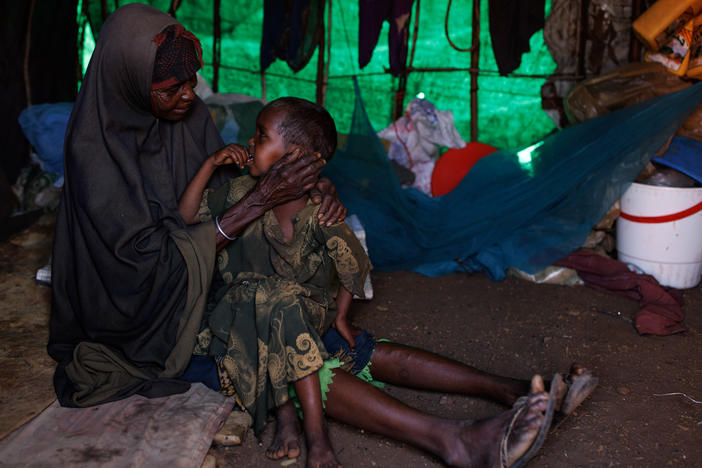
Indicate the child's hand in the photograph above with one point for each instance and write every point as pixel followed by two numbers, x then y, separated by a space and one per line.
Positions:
pixel 346 330
pixel 231 154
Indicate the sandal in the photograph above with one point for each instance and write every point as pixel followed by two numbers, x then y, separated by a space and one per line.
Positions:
pixel 574 389
pixel 538 441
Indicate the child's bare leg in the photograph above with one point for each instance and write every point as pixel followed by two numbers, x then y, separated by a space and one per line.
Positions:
pixel 319 449
pixel 415 368
pixel 286 441
pixel 458 443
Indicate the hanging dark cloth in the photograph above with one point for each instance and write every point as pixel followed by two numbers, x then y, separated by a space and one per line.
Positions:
pixel 372 14
pixel 130 278
pixel 291 31
pixel 512 23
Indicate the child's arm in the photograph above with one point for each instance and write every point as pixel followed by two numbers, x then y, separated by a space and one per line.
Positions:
pixel 352 267
pixel 189 203
pixel 343 301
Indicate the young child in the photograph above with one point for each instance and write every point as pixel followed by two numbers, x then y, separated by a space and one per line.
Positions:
pixel 286 279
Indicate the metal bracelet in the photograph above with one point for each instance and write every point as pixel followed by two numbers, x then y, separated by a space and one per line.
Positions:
pixel 222 232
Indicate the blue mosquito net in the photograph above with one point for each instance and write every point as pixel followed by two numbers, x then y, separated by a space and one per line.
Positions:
pixel 527 207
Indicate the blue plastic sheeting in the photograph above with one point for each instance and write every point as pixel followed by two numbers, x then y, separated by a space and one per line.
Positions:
pixel 685 155
pixel 526 208
pixel 44 125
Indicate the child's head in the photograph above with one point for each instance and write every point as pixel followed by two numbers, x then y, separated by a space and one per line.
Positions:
pixel 290 123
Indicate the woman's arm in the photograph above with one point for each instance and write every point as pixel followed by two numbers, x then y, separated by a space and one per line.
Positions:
pixel 288 179
pixel 343 301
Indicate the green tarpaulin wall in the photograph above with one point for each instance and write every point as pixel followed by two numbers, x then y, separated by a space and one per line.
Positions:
pixel 509 108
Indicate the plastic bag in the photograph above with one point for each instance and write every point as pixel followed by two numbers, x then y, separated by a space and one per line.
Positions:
pixel 416 137
pixel 44 125
pixel 623 87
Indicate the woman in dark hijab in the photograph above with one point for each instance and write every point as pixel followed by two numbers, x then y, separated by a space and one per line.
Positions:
pixel 130 278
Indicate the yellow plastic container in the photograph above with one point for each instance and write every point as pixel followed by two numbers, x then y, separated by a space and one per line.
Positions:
pixel 657 25
pixel 675 55
pixel 694 66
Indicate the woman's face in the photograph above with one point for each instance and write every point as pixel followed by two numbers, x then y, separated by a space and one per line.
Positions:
pixel 174 102
pixel 267 145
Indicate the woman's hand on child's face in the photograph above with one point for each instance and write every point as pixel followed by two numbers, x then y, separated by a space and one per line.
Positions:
pixel 290 177
pixel 231 154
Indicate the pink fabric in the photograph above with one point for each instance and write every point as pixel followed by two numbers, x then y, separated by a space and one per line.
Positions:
pixel 660 310
pixel 173 431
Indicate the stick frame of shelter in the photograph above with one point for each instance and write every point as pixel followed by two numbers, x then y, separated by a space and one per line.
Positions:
pixel 27 49
pixel 474 64
pixel 474 69
pixel 216 43
pixel 582 37
pixel 634 43
pixel 320 83
pixel 399 100
pixel 175 4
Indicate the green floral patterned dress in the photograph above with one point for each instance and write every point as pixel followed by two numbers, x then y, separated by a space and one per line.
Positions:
pixel 277 299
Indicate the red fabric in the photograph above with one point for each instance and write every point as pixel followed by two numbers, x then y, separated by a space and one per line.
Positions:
pixel 454 164
pixel 660 310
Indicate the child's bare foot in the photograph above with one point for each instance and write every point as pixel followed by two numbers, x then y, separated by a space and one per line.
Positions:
pixel 286 441
pixel 504 439
pixel 319 452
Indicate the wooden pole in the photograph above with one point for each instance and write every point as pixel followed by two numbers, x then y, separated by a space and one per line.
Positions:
pixel 474 64
pixel 582 36
pixel 319 95
pixel 634 44
pixel 216 45
pixel 399 107
pixel 27 49
pixel 175 4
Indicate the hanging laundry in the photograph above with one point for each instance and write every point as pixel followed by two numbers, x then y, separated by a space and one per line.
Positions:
pixel 372 14
pixel 512 23
pixel 291 31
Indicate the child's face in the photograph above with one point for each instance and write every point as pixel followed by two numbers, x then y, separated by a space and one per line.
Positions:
pixel 267 145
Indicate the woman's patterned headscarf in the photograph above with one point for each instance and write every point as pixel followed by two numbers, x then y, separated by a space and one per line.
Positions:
pixel 178 56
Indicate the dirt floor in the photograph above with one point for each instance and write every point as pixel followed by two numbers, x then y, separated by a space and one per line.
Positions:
pixel 513 327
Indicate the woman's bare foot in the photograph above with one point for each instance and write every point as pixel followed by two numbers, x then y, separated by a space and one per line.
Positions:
pixel 482 444
pixel 286 441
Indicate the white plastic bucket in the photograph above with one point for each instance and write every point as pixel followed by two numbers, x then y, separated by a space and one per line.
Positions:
pixel 660 231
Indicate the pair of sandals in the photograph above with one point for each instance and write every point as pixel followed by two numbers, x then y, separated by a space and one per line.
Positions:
pixel 566 393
